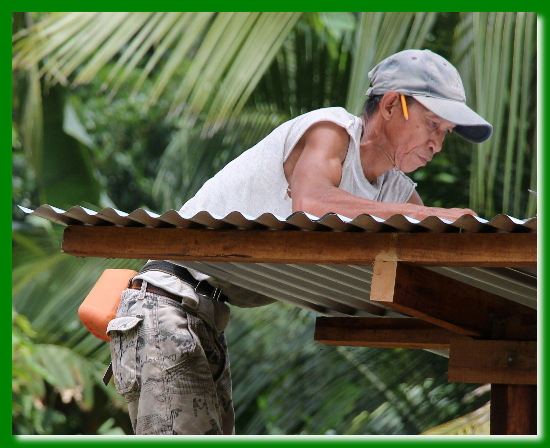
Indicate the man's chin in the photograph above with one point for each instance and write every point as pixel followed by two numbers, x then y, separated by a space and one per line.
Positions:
pixel 408 169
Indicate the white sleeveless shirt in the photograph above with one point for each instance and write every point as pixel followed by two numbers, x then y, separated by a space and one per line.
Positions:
pixel 255 183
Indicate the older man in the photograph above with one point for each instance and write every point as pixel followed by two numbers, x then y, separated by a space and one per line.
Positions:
pixel 168 347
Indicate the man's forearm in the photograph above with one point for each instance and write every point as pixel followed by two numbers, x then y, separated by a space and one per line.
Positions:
pixel 336 200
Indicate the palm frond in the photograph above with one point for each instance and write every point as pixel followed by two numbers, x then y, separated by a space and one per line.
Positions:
pixel 229 49
pixel 496 56
pixel 27 107
pixel 312 69
pixel 263 41
pixel 72 375
pixel 379 35
pixel 474 423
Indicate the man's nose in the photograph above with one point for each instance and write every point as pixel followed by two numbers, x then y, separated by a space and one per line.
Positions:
pixel 436 148
pixel 436 143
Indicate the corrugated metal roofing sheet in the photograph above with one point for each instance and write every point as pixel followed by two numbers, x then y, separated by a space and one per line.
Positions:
pixel 297 221
pixel 327 290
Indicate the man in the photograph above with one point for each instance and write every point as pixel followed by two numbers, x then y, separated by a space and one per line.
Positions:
pixel 168 347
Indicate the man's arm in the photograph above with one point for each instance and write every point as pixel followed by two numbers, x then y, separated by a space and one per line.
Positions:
pixel 317 173
pixel 415 199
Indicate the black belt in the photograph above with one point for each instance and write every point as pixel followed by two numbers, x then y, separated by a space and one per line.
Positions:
pixel 136 284
pixel 200 286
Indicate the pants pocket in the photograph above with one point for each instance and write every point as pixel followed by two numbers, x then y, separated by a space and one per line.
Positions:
pixel 123 332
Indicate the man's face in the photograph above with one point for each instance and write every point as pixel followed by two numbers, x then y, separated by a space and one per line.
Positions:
pixel 417 139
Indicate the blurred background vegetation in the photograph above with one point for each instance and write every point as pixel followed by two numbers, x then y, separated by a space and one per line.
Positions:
pixel 135 110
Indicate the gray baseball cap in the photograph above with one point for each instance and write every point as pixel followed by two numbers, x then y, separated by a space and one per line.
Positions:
pixel 434 83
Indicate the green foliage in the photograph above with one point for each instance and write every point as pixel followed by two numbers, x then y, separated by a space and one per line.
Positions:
pixel 286 383
pixel 47 378
pixel 128 142
pixel 64 361
pixel 65 172
pixel 496 55
pixel 312 69
pixel 48 133
pixel 24 191
pixel 28 386
pixel 445 181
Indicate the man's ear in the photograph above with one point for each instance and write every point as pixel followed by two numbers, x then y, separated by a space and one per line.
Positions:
pixel 389 104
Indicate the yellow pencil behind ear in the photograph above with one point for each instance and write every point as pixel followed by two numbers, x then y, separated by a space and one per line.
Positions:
pixel 404 105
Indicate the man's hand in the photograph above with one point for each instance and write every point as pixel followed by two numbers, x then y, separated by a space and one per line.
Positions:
pixel 451 214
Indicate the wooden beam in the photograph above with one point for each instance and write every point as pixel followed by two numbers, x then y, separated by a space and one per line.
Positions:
pixel 381 332
pixel 302 247
pixel 488 361
pixel 439 299
pixel 513 409
pixel 519 327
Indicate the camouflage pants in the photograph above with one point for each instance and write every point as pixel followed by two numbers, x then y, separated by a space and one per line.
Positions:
pixel 171 367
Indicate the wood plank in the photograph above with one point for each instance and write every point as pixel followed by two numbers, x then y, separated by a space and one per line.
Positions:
pixel 439 299
pixel 302 247
pixel 381 332
pixel 513 409
pixel 488 361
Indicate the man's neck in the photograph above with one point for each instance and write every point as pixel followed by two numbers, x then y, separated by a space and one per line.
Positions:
pixel 376 158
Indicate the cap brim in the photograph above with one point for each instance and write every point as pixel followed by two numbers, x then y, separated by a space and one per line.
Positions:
pixel 469 125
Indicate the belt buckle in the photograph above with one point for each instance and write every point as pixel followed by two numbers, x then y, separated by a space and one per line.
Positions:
pixel 214 295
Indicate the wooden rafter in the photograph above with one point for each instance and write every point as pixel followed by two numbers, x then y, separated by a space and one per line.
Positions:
pixel 438 299
pixel 381 332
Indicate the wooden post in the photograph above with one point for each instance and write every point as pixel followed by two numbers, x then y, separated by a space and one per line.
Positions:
pixel 513 409
pixel 514 406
